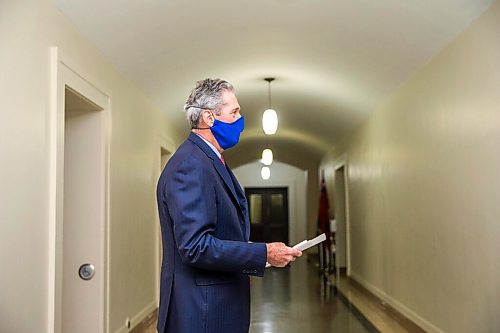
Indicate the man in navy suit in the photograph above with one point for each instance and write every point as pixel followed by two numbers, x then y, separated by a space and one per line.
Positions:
pixel 207 258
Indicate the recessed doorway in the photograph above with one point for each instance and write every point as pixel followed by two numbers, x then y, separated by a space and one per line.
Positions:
pixel 342 235
pixel 78 196
pixel 83 211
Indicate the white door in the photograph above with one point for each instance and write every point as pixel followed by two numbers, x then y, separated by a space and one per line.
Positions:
pixel 83 216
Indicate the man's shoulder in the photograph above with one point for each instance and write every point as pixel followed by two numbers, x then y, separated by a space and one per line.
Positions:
pixel 191 148
pixel 188 152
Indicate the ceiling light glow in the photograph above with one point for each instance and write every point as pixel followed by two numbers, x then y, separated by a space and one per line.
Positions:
pixel 267 156
pixel 270 122
pixel 265 173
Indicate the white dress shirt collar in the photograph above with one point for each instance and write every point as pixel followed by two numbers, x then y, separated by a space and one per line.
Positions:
pixel 211 146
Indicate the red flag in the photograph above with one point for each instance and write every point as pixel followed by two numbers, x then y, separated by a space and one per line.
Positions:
pixel 323 216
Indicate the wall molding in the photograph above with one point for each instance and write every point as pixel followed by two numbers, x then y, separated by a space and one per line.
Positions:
pixel 396 305
pixel 138 318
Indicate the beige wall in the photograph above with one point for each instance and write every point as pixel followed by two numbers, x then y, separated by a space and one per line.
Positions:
pixel 27 30
pixel 425 191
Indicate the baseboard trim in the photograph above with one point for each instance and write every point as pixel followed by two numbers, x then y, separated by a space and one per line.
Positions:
pixel 396 306
pixel 138 318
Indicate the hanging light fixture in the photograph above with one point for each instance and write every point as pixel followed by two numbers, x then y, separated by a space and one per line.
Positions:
pixel 265 173
pixel 270 118
pixel 267 156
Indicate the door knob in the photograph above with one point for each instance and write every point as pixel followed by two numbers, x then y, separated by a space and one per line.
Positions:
pixel 86 271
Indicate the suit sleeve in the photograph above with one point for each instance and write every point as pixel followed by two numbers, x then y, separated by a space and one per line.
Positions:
pixel 191 201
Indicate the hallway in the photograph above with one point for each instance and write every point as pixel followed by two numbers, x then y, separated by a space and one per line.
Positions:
pixel 392 105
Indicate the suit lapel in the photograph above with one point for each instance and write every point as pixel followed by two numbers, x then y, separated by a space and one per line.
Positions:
pixel 223 172
pixel 242 200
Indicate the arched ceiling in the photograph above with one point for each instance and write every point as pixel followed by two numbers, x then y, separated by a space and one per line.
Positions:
pixel 335 61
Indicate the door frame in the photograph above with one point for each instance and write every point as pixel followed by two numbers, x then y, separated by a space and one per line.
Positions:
pixel 64 72
pixel 340 163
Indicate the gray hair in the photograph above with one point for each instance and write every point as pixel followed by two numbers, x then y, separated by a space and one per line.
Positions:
pixel 207 94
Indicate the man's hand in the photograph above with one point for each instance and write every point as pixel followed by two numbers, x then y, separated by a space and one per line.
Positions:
pixel 280 255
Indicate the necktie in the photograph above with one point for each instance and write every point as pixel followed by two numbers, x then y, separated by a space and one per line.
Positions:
pixel 222 160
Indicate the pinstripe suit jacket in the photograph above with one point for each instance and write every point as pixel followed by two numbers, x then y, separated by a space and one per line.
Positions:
pixel 206 254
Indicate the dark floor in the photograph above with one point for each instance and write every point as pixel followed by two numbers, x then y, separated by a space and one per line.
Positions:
pixel 297 299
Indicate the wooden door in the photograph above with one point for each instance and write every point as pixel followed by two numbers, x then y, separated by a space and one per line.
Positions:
pixel 268 214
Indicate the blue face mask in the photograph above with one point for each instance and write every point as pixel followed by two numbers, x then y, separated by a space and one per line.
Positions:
pixel 227 134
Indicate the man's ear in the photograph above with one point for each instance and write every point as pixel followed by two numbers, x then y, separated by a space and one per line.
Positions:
pixel 208 118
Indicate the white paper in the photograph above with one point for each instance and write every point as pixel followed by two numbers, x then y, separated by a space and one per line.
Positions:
pixel 305 244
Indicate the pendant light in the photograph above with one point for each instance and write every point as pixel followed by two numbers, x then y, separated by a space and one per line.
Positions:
pixel 270 126
pixel 265 173
pixel 270 118
pixel 267 156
